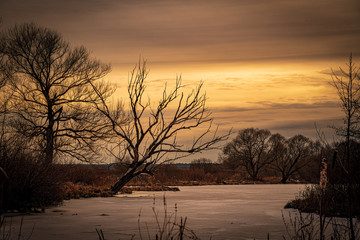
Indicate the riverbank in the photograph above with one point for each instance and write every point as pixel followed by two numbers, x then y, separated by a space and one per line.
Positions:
pixel 81 190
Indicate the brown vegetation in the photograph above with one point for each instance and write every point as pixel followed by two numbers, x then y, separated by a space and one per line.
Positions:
pixel 81 181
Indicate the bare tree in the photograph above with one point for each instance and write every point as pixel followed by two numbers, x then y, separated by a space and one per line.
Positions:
pixel 250 149
pixel 3 175
pixel 53 87
pixel 290 155
pixel 149 136
pixel 347 84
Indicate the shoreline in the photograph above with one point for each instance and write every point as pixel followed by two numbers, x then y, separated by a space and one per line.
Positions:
pixel 76 191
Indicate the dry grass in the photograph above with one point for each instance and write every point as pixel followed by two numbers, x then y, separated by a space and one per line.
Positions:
pixel 82 182
pixel 165 226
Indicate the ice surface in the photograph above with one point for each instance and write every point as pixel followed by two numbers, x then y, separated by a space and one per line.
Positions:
pixel 220 212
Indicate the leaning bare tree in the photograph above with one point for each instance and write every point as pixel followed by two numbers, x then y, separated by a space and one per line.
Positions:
pixel 53 91
pixel 150 135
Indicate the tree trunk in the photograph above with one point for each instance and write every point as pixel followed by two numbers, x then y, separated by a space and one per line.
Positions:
pixel 124 180
pixel 49 149
pixel 284 179
pixel 254 174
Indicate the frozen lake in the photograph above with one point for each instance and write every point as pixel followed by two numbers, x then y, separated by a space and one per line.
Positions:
pixel 219 212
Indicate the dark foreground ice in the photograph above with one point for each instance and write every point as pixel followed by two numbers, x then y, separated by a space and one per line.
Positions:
pixel 216 212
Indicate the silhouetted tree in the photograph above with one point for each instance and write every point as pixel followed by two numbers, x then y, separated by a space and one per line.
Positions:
pixel 53 91
pixel 290 155
pixel 250 149
pixel 201 161
pixel 3 174
pixel 205 164
pixel 347 84
pixel 149 136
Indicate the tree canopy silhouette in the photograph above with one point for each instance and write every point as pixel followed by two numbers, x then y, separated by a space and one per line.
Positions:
pixel 249 149
pixel 292 154
pixel 53 91
pixel 149 137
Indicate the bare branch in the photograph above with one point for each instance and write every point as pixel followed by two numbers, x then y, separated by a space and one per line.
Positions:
pixel 151 133
pixel 54 90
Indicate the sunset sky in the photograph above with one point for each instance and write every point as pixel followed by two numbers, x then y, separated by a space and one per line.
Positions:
pixel 264 63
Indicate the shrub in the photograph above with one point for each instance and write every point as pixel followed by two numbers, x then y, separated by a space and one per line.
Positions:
pixel 31 183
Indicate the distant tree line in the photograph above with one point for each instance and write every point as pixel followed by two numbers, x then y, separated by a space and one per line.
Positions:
pixel 257 150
